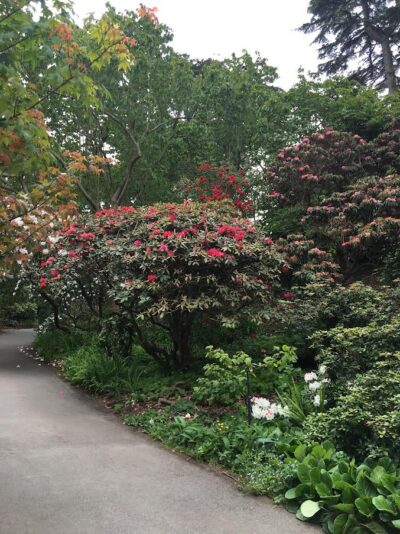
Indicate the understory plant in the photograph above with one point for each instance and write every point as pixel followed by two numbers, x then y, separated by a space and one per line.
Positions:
pixel 345 497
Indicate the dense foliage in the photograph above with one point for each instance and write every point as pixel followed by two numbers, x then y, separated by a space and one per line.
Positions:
pixel 244 310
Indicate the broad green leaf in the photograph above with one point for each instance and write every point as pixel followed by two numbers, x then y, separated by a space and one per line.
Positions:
pixel 339 524
pixel 376 528
pixel 364 506
pixel 309 508
pixel 382 504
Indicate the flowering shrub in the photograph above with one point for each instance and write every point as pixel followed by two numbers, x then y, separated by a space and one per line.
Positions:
pixel 166 266
pixel 315 381
pixel 69 270
pixel 179 263
pixel 306 263
pixel 364 220
pixel 320 164
pixel 217 184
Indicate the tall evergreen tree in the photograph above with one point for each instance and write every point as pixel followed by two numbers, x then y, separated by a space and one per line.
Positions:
pixel 363 30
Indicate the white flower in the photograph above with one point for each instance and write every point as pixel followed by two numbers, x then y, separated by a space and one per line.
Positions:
pixel 317 400
pixel 322 369
pixel 265 409
pixel 45 251
pixel 22 250
pixel 308 377
pixel 326 381
pixel 314 385
pixel 17 222
pixel 62 252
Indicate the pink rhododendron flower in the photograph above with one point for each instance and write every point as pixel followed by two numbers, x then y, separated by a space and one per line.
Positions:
pixel 43 282
pixel 137 243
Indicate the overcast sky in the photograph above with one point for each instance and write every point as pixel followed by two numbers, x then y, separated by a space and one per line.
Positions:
pixel 217 28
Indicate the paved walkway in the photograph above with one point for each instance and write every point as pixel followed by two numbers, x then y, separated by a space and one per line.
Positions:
pixel 68 466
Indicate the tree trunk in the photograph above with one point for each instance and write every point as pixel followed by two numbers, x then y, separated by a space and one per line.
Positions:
pixel 181 334
pixel 379 36
pixel 390 73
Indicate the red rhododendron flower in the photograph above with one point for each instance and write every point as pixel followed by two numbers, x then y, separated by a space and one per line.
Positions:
pixel 268 241
pixel 54 273
pixel 215 252
pixel 151 277
pixel 137 243
pixel 168 234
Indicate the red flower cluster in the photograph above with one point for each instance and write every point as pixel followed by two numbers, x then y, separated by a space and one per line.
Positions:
pixel 217 184
pixel 215 253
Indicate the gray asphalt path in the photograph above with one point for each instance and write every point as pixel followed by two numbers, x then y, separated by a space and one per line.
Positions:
pixel 68 466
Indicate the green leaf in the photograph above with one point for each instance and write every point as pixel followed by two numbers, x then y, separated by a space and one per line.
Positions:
pixel 303 473
pixel 290 494
pixel 323 490
pixel 340 523
pixel 377 475
pixel 365 487
pixel 396 523
pixel 296 492
pixel 376 528
pixel 300 452
pixel 309 508
pixel 344 507
pixel 364 506
pixel 382 504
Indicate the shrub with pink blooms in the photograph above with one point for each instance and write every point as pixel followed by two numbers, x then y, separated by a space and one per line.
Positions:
pixel 319 164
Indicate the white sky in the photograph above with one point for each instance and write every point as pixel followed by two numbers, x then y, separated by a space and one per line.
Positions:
pixel 217 28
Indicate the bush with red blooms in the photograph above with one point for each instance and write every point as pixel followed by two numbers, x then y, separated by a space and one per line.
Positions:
pixel 219 184
pixel 318 165
pixel 68 269
pixel 164 266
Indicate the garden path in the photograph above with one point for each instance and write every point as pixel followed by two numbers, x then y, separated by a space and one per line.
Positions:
pixel 69 466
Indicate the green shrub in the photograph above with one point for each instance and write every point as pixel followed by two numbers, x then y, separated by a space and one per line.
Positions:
pixel 224 380
pixel 366 418
pixel 347 352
